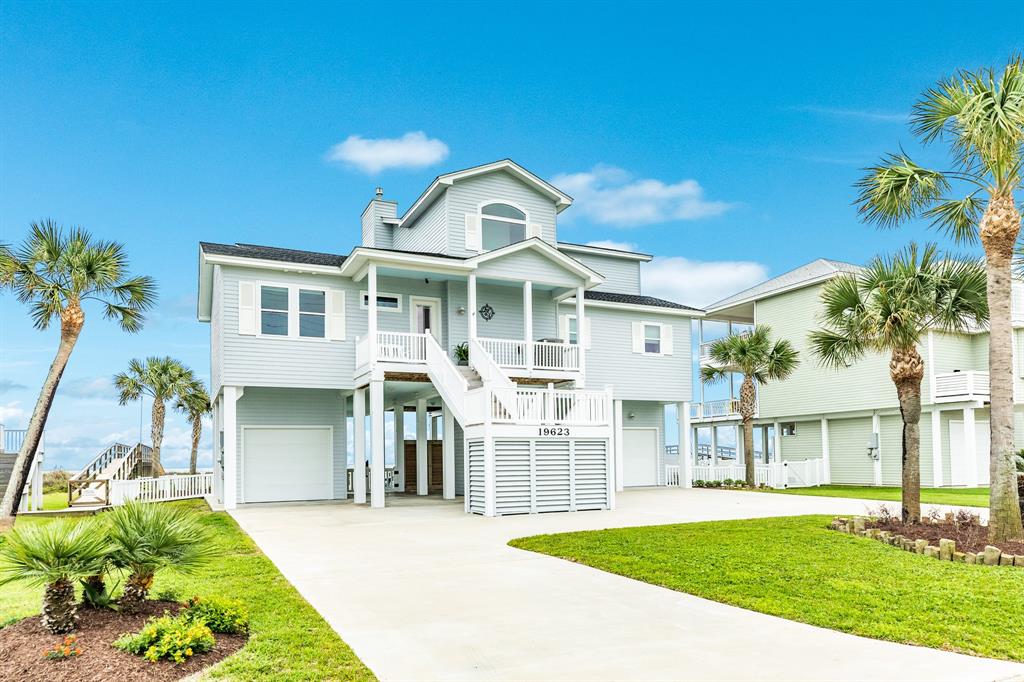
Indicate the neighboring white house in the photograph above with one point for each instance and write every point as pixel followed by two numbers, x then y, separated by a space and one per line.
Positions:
pixel 561 403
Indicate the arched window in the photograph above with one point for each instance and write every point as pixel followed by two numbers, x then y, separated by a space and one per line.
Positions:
pixel 501 225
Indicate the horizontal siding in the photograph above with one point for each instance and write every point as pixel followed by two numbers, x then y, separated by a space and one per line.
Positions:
pixel 528 265
pixel 621 275
pixel 465 196
pixel 430 231
pixel 636 376
pixel 217 332
pixel 295 407
pixel 805 443
pixel 647 415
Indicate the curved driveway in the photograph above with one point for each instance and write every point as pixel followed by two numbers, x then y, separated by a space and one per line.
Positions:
pixel 422 591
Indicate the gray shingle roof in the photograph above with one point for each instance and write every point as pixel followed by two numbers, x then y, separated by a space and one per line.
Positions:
pixel 634 299
pixel 812 271
pixel 272 253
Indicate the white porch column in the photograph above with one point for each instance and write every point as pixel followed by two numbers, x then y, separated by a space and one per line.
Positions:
pixel 826 459
pixel 619 454
pixel 936 448
pixel 230 447
pixel 471 304
pixel 359 446
pixel 377 444
pixel 528 322
pixel 448 454
pixel 685 454
pixel 777 433
pixel 700 342
pixel 581 337
pixel 400 446
pixel 970 448
pixel 422 461
pixel 714 445
pixel 371 310
pixel 876 427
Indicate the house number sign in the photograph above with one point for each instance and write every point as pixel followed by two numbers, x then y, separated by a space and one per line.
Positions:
pixel 553 431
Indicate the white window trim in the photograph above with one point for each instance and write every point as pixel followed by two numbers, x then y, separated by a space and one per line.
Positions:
pixel 364 297
pixel 481 216
pixel 572 316
pixel 293 311
pixel 661 339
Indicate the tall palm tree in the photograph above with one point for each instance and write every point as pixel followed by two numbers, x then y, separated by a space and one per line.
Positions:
pixel 888 307
pixel 980 115
pixel 56 272
pixel 194 404
pixel 759 361
pixel 162 379
pixel 55 555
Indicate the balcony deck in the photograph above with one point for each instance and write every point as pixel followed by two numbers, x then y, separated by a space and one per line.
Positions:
pixel 954 387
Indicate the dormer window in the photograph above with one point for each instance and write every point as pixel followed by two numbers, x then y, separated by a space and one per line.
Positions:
pixel 501 225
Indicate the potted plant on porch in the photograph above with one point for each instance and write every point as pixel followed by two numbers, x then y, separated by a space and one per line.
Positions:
pixel 462 354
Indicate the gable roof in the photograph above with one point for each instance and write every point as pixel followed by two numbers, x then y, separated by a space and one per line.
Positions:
pixel 636 299
pixel 443 182
pixel 805 275
pixel 272 253
pixel 604 251
pixel 591 276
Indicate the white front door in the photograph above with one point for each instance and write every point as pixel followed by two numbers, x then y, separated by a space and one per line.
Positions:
pixel 426 315
pixel 960 465
pixel 639 457
pixel 283 464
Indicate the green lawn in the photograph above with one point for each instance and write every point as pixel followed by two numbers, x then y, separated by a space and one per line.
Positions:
pixel 961 497
pixel 795 568
pixel 289 641
pixel 57 500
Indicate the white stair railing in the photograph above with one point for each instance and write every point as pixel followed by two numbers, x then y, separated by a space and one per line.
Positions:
pixel 446 377
pixel 500 389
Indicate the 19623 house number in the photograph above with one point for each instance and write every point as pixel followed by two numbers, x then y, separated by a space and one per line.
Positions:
pixel 553 431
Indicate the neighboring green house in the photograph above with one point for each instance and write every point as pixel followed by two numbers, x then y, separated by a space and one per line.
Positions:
pixel 849 418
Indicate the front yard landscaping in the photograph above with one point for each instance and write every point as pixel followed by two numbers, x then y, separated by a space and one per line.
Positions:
pixel 959 497
pixel 288 640
pixel 796 568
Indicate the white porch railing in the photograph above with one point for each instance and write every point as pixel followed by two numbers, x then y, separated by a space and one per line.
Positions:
pixel 787 474
pixel 32 493
pixel 161 489
pixel 672 474
pixel 11 440
pixel 390 479
pixel 526 355
pixel 393 347
pixel 550 407
pixel 956 386
pixel 730 407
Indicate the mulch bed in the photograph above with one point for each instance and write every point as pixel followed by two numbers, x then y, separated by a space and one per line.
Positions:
pixel 969 536
pixel 22 647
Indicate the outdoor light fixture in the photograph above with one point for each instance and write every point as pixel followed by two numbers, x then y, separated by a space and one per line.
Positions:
pixel 461 310
pixel 632 415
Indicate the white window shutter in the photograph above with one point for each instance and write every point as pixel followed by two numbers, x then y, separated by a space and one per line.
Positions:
pixel 472 232
pixel 336 315
pixel 563 328
pixel 247 308
pixel 533 230
pixel 638 337
pixel 589 333
pixel 666 339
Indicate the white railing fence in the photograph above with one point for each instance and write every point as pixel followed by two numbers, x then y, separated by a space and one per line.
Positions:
pixel 506 352
pixel 161 489
pixel 715 408
pixel 551 406
pixel 32 493
pixel 102 461
pixel 548 355
pixel 401 347
pixel 787 474
pixel 962 385
pixel 390 479
pixel 446 377
pixel 519 354
pixel 11 440
pixel 672 475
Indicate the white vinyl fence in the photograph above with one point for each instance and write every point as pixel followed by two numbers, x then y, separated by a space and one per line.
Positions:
pixel 788 474
pixel 161 489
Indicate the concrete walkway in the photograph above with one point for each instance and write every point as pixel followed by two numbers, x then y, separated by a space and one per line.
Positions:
pixel 422 591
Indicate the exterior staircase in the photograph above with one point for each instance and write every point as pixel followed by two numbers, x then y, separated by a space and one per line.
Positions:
pixel 90 487
pixel 471 376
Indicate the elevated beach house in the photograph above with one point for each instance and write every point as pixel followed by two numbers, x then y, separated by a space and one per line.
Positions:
pixel 537 370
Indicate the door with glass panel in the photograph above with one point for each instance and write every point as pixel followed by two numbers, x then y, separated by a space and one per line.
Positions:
pixel 426 315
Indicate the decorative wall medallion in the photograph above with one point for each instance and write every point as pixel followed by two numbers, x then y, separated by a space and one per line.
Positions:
pixel 487 312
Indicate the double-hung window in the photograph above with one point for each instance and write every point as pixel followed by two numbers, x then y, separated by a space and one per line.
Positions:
pixel 652 338
pixel 274 310
pixel 312 313
pixel 501 225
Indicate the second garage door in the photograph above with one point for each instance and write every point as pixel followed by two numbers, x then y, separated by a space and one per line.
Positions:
pixel 639 457
pixel 286 464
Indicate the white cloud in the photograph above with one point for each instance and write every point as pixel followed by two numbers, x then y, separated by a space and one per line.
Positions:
pixel 88 388
pixel 412 150
pixel 863 114
pixel 699 283
pixel 8 385
pixel 612 196
pixel 12 413
pixel 612 244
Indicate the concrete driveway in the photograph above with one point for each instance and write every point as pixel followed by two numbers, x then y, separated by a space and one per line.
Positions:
pixel 422 591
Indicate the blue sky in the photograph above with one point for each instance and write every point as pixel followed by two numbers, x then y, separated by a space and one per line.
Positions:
pixel 726 137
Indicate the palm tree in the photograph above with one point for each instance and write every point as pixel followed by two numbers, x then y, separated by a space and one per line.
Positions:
pixel 147 537
pixel 981 117
pixel 195 404
pixel 759 361
pixel 56 272
pixel 889 307
pixel 55 555
pixel 162 379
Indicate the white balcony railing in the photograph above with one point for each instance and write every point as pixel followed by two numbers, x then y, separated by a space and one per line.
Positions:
pixel 393 347
pixel 957 386
pixel 550 407
pixel 730 407
pixel 525 355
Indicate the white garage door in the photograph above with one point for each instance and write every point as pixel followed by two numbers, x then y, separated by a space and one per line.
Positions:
pixel 281 464
pixel 963 471
pixel 639 457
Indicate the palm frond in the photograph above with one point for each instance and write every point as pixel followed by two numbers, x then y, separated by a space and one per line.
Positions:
pixel 897 189
pixel 958 218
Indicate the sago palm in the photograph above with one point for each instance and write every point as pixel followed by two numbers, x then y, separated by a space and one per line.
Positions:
pixel 58 273
pixel 54 554
pixel 980 116
pixel 888 308
pixel 147 537
pixel 162 379
pixel 760 361
pixel 194 404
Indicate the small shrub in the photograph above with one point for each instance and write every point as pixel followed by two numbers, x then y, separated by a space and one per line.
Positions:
pixel 168 594
pixel 218 613
pixel 173 639
pixel 698 483
pixel 67 649
pixel 727 482
pixel 55 481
